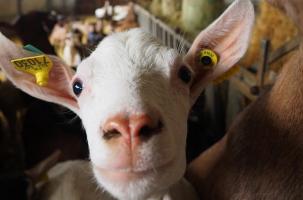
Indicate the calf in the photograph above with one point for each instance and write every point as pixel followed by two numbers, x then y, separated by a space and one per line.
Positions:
pixel 133 95
pixel 71 55
pixel 261 157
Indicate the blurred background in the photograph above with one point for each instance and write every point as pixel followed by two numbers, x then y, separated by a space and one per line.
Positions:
pixel 31 130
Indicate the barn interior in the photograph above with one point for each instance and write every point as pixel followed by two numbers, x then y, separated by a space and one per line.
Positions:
pixel 31 130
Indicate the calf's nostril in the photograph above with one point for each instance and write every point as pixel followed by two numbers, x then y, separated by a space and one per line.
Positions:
pixel 110 134
pixel 148 131
pixel 139 127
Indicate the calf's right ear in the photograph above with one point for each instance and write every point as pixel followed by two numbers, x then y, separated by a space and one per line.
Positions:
pixel 58 89
pixel 228 37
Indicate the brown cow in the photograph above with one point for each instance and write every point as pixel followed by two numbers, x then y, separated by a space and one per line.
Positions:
pixel 261 157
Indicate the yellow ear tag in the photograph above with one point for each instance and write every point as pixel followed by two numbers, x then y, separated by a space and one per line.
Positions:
pixel 208 58
pixel 39 66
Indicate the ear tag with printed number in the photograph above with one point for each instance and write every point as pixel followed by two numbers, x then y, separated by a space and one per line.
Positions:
pixel 208 58
pixel 39 66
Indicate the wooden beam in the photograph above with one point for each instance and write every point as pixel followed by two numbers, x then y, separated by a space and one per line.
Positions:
pixel 284 50
pixel 243 88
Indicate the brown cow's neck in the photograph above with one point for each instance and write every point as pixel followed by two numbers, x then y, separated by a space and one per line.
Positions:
pixel 285 101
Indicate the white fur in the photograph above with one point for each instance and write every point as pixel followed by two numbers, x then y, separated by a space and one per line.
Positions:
pixel 124 75
pixel 75 180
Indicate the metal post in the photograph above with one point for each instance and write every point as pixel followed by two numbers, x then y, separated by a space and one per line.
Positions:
pixel 19 7
pixel 263 65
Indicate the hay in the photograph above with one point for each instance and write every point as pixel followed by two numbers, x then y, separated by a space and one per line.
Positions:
pixel 170 7
pixel 271 24
pixel 155 8
pixel 197 14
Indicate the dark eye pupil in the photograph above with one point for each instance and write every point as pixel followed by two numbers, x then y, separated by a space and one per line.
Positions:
pixel 77 87
pixel 185 74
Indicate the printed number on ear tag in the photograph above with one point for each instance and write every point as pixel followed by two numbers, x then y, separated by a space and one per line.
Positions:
pixel 208 58
pixel 39 66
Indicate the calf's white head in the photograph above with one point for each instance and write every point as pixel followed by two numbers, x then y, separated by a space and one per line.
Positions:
pixel 133 95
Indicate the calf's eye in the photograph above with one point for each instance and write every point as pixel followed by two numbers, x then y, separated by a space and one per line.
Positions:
pixel 185 74
pixel 77 87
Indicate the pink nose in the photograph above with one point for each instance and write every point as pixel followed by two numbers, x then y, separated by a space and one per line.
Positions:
pixel 140 127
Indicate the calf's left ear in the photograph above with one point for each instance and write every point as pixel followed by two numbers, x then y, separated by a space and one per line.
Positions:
pixel 228 37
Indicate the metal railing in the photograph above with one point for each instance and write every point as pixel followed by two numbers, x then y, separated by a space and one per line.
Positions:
pixel 160 30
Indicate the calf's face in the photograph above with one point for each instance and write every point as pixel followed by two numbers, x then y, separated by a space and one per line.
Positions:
pixel 134 104
pixel 133 95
